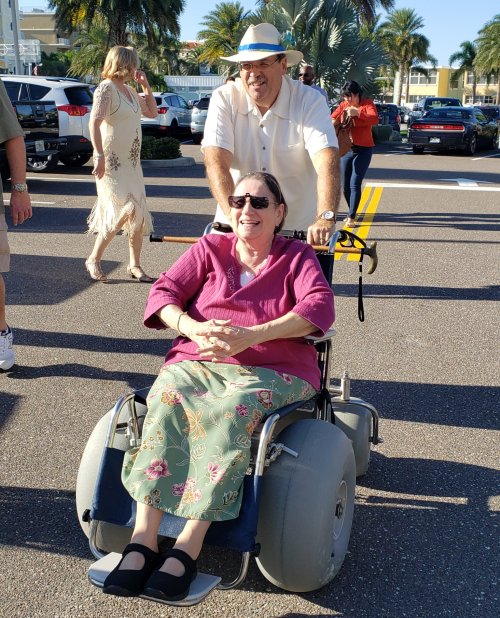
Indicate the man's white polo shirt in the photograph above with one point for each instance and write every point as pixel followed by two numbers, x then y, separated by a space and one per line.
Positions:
pixel 297 126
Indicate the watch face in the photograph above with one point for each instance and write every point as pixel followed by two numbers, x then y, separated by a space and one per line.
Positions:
pixel 328 214
pixel 20 187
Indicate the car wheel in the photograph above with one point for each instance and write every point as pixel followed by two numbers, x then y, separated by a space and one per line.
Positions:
pixel 418 149
pixel 35 164
pixel 75 160
pixel 174 128
pixel 307 507
pixel 471 147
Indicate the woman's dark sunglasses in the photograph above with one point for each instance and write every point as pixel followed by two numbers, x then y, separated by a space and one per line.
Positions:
pixel 239 201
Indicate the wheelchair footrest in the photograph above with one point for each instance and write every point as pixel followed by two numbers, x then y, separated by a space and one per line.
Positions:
pixel 201 587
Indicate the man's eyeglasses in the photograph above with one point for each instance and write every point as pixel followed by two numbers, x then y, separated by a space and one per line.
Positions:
pixel 305 75
pixel 239 201
pixel 262 65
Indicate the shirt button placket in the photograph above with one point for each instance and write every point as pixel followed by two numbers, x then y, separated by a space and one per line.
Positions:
pixel 265 148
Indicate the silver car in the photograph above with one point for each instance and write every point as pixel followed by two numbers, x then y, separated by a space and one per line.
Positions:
pixel 174 116
pixel 198 118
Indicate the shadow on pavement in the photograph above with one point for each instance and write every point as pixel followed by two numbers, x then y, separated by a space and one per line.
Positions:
pixel 414 545
pixel 425 292
pixel 74 221
pixel 90 343
pixel 451 405
pixel 42 520
pixel 415 549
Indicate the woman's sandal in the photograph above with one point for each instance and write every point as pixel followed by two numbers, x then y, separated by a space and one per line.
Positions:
pixel 130 582
pixel 350 222
pixel 167 586
pixel 136 272
pixel 95 271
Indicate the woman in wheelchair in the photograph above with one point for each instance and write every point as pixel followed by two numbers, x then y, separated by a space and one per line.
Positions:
pixel 242 304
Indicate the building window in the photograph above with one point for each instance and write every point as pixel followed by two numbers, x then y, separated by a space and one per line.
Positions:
pixel 419 79
pixel 480 81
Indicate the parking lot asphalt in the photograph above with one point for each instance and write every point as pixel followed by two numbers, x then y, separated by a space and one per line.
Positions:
pixel 424 542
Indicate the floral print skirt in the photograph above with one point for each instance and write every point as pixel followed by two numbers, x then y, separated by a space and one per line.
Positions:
pixel 195 445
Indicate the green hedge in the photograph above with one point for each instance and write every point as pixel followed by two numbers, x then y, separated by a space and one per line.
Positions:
pixel 160 148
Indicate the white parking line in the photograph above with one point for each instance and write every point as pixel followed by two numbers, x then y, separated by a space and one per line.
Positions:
pixel 412 185
pixel 34 202
pixel 59 179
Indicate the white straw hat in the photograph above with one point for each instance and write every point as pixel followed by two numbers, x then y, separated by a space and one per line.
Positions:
pixel 262 41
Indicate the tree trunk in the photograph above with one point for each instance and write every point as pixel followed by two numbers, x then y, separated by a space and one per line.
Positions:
pixel 400 87
pixel 407 90
pixel 118 29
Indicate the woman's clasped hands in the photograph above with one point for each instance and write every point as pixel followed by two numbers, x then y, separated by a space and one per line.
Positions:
pixel 218 339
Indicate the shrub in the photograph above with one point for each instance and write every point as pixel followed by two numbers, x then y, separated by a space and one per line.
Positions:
pixel 160 148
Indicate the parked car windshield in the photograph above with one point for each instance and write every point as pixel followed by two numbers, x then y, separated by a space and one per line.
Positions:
pixel 433 103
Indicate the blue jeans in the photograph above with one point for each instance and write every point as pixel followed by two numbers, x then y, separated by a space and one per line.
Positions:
pixel 354 166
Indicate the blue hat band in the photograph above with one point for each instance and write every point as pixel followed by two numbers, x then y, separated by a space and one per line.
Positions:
pixel 261 47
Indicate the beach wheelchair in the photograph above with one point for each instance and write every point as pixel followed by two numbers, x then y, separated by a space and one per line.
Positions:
pixel 298 493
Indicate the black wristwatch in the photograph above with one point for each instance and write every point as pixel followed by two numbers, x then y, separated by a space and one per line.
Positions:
pixel 328 215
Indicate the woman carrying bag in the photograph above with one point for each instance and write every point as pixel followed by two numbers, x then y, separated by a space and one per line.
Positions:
pixel 362 114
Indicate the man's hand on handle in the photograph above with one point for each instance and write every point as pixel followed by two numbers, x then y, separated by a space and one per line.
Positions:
pixel 320 232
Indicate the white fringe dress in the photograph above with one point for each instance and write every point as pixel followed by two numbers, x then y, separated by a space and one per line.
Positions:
pixel 120 192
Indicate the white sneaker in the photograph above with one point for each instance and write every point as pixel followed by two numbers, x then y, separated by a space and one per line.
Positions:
pixel 7 358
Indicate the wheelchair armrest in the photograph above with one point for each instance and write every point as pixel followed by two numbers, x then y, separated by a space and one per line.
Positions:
pixel 326 337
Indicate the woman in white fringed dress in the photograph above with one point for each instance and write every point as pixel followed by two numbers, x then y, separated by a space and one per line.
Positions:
pixel 115 130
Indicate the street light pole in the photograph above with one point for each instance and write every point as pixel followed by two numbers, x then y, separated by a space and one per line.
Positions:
pixel 15 32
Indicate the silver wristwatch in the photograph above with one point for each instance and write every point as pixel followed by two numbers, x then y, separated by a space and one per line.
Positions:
pixel 328 215
pixel 20 187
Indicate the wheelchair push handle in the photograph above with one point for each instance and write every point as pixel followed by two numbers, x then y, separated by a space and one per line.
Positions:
pixel 369 250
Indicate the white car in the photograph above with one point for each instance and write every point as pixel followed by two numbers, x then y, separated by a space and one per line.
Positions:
pixel 174 116
pixel 198 118
pixel 74 103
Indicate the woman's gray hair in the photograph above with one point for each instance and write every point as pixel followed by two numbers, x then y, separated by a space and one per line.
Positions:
pixel 273 185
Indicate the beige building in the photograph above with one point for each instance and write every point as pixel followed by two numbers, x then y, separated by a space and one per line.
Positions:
pixel 41 25
pixel 438 83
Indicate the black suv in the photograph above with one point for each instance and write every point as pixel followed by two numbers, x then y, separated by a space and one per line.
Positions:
pixel 427 103
pixel 388 113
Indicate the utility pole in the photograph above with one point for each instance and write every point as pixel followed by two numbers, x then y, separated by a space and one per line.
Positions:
pixel 15 32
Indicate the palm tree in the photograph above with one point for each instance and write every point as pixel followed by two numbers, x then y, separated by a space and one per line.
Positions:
pixel 91 47
pixel 222 32
pixel 327 33
pixel 55 63
pixel 466 59
pixel 122 16
pixel 367 9
pixel 404 45
pixel 488 51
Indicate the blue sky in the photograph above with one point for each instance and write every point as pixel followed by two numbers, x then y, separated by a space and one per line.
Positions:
pixel 445 24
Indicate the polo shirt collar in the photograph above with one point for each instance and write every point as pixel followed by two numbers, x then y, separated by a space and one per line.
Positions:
pixel 280 107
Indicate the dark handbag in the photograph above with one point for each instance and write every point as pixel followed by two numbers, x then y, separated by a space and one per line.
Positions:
pixel 343 131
